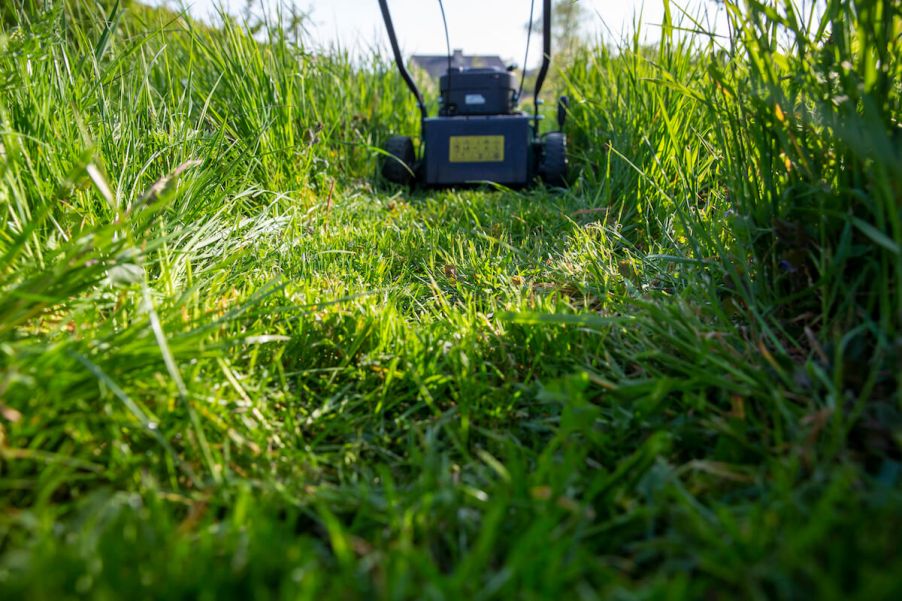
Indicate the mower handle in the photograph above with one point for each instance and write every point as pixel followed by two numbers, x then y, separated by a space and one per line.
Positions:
pixel 399 60
pixel 405 74
pixel 546 50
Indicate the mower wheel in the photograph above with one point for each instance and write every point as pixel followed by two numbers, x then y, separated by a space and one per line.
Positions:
pixel 398 163
pixel 553 166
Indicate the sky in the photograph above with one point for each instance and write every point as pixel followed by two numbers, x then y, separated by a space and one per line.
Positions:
pixel 476 26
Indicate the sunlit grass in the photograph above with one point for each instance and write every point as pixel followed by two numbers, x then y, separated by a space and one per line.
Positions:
pixel 234 365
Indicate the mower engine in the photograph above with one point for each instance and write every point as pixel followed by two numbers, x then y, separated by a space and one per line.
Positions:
pixel 478 92
pixel 477 135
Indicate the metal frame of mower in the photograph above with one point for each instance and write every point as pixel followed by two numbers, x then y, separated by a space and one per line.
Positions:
pixel 479 136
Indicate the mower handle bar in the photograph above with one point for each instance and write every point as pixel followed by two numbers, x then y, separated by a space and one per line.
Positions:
pixel 408 79
pixel 399 60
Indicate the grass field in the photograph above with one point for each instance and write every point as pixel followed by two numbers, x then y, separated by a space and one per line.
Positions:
pixel 233 366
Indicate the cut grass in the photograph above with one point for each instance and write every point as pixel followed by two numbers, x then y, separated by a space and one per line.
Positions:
pixel 231 367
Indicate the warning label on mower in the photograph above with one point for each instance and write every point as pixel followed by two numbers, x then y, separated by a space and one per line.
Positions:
pixel 476 149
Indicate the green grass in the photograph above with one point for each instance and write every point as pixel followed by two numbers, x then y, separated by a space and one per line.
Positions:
pixel 232 366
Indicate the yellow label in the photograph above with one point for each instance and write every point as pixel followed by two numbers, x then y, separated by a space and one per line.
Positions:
pixel 476 149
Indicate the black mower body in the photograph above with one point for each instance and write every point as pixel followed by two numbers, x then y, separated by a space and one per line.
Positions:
pixel 492 148
pixel 478 136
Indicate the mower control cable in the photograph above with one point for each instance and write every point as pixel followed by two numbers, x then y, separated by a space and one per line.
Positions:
pixel 441 6
pixel 532 8
pixel 546 50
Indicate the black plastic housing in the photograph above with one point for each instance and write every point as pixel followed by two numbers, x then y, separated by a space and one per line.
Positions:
pixel 478 91
pixel 514 166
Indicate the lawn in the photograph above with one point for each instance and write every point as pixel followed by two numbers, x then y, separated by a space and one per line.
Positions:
pixel 233 364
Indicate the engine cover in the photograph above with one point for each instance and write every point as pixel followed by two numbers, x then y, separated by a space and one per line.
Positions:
pixel 477 92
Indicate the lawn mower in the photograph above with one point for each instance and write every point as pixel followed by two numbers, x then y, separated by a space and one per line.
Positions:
pixel 479 135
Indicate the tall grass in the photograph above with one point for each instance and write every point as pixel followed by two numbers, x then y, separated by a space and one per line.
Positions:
pixel 770 155
pixel 230 366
